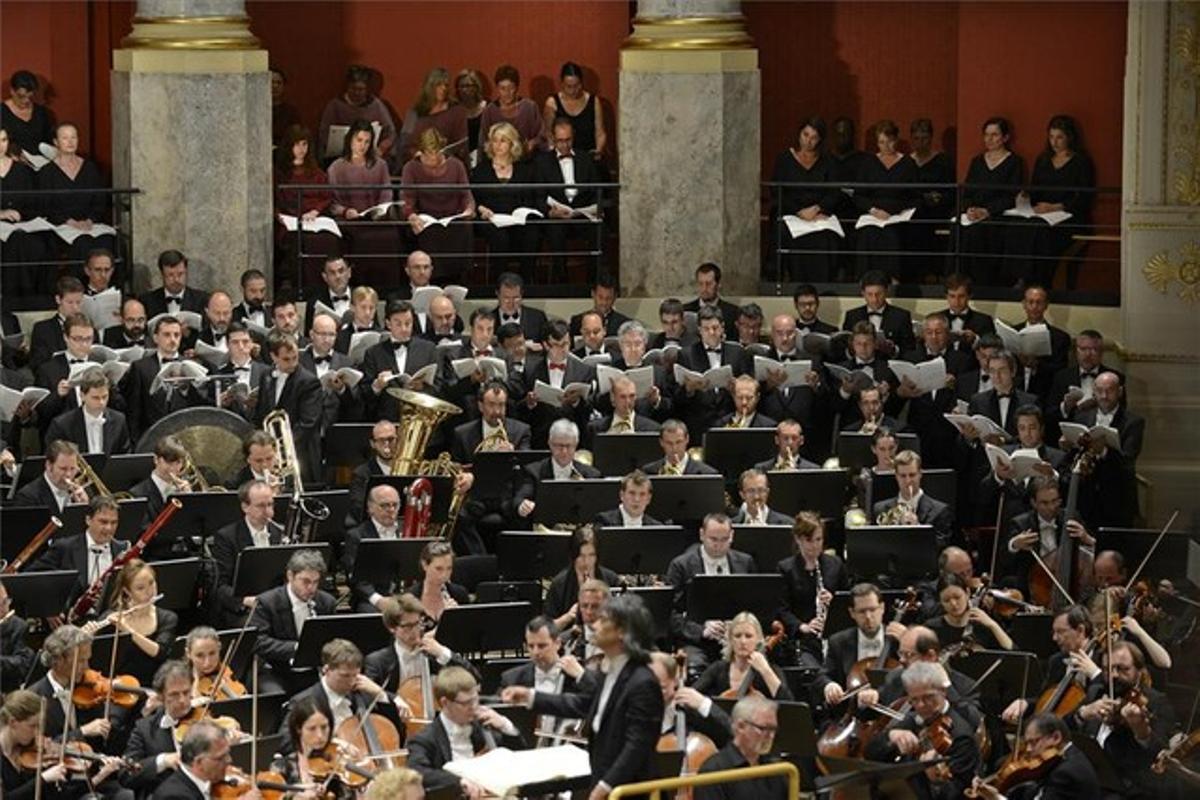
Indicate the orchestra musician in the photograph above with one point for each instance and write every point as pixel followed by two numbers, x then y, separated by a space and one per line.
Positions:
pixel 65 653
pixel 562 464
pixel 1072 631
pixel 579 640
pixel 919 643
pixel 342 691
pixel 755 721
pixel 743 665
pixel 57 486
pixel 309 725
pixel 560 603
pixel 745 413
pixel 256 528
pixel 684 707
pixel 635 497
pixel 279 615
pixel 919 507
pixel 436 590
pixel 90 553
pixel 962 622
pixel 260 453
pixel 204 760
pixel 867 639
pixel 673 439
pixel 756 493
pixel 165 479
pixel 202 648
pixel 153 744
pixel 145 631
pixel 383 450
pixel 383 505
pixel 1071 776
pixel 811 576
pixel 789 441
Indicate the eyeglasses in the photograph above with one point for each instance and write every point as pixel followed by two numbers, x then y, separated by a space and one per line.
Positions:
pixel 470 702
pixel 769 730
pixel 388 505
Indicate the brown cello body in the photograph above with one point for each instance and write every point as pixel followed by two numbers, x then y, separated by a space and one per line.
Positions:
pixel 377 737
pixel 1070 563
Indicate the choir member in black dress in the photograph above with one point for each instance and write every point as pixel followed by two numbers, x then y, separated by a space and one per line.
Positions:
pixel 880 248
pixel 71 171
pixel 145 631
pixel 936 205
pixel 504 164
pixel 28 123
pixel 991 188
pixel 807 163
pixel 811 577
pixel 743 660
pixel 963 621
pixel 1062 178
pixel 848 161
pixel 21 247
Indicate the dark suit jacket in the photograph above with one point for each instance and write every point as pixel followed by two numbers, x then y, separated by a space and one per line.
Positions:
pixel 359 702
pixel 801 463
pixel 144 408
pixel 16 656
pixel 241 312
pixel 46 338
pixel 277 635
pixel 114 337
pixel 361 591
pixel 523 674
pixel 759 420
pixel 700 410
pixel 929 512
pixel 48 374
pixel 622 748
pixel 799 603
pixel 344 407
pixel 225 546
pixel 146 743
pixel 70 426
pixel 546 170
pixel 612 519
pixel 346 333
pixel 258 371
pixel 71 553
pixel 896 324
pixel 356 494
pixel 962 757
pixel 1130 427
pixel 429 751
pixel 680 572
pixel 37 493
pixel 155 301
pixel 542 416
pixel 729 314
pixel 1063 380
pixel 973 321
pixel 543 471
pixel 320 294
pixel 468 436
pixel 382 358
pixel 177 787
pixel 301 399
pixel 383 667
pixel 692 467
pixel 532 320
pixel 1131 759
pixel 988 404
pixel 1073 778
pixel 612 322
pixel 773 518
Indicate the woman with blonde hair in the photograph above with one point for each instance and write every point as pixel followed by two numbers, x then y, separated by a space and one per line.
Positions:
pixel 431 165
pixel 436 107
pixel 502 165
pixel 742 660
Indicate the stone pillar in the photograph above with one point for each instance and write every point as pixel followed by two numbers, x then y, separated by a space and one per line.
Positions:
pixel 689 138
pixel 1160 251
pixel 192 130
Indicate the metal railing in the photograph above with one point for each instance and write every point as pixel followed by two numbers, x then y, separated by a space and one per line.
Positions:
pixel 655 788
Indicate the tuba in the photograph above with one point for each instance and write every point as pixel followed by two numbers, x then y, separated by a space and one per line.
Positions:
pixel 304 513
pixel 420 414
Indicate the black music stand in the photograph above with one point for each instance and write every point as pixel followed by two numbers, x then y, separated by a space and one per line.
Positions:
pixel 202 515
pixel 940 484
pixel 1170 560
pixel 725 596
pixel 1032 632
pixel 338 500
pixel 365 630
pixel 853 449
pixel 40 594
pixel 819 490
pixel 575 501
pixel 1016 674
pixel 261 568
pixel 617 454
pixel 641 551
pixel 121 472
pixel 347 444
pixel 176 581
pixel 891 555
pixel 492 669
pixel 769 544
pixel 496 470
pixel 524 555
pixel 856 779
pixel 484 627
pixel 733 450
pixel 510 592
pixel 686 497
pixel 268 746
pixel 131 514
pixel 658 600
pixel 443 489
pixel 839 619
pixel 18 524
pixel 239 662
pixel 384 561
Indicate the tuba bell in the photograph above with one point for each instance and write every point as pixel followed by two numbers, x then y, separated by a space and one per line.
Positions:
pixel 420 414
pixel 304 513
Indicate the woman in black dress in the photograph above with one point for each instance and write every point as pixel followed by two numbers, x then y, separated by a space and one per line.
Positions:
pixel 810 577
pixel 807 163
pixel 1062 176
pixel 935 206
pixel 961 621
pixel 435 590
pixel 743 659
pixel 878 247
pixel 21 247
pixel 503 164
pixel 562 597
pixel 27 122
pixel 311 732
pixel 78 206
pixel 993 180
pixel 145 631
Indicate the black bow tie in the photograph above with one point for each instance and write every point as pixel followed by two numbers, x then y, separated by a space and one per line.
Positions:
pixel 1092 373
pixel 253 307
pixel 362 329
pixel 218 336
pixel 322 359
pixel 595 352
pixel 510 317
pixel 399 345
pixel 567 157
pixel 168 359
pixel 957 314
pixel 340 298
pixel 177 298
pixel 1005 396
pixel 76 360
pixel 716 350
pixel 245 369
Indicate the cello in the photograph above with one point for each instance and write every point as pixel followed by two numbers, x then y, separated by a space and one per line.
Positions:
pixel 1061 576
pixel 695 746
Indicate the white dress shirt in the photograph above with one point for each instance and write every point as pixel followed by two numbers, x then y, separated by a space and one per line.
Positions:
pixel 99 557
pixel 339 704
pixel 260 537
pixel 301 611
pixel 562 473
pixel 460 739
pixel 201 784
pixel 870 648
pixel 401 356
pixel 61 497
pixel 95 432
pixel 280 384
pixel 628 521
pixel 566 165
pixel 1105 419
pixel 718 566
pixel 612 667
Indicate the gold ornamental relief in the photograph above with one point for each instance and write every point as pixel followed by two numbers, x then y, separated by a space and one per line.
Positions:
pixel 1161 272
pixel 1187 50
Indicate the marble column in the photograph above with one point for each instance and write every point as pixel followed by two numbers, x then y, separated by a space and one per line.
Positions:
pixel 689 140
pixel 192 130
pixel 1160 252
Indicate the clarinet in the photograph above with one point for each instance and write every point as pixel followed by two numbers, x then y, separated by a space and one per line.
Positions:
pixel 822 608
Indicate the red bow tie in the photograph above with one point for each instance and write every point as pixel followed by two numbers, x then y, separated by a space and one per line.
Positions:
pixel 481 353
pixel 560 367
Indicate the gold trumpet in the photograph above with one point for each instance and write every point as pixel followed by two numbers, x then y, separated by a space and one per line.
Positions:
pixel 786 460
pixel 738 421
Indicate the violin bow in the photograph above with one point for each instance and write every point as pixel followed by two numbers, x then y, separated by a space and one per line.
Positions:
pixel 1053 578
pixel 41 748
pixel 254 718
pixel 112 660
pixel 1109 642
pixel 996 535
pixel 1146 558
pixel 67 725
pixel 227 660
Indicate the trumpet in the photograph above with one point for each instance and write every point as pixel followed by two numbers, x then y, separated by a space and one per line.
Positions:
pixel 738 421
pixel 191 479
pixel 786 460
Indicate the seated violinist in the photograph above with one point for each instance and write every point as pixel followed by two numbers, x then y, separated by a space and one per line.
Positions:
pixel 16 656
pixel 1131 720
pixel 1071 630
pixel 921 644
pixel 153 743
pixel 204 760
pixel 932 727
pixel 963 625
pixel 18 747
pixel 685 710
pixel 1068 775
pixel 1109 578
pixel 204 656
pixel 343 690
pixel 306 769
pixel 462 729
pixel 743 666
pixel 133 614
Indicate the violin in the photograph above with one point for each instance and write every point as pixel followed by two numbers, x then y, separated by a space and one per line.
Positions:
pixel 231 726
pixel 331 762
pixel 937 735
pixel 271 786
pixel 1021 767
pixel 77 757
pixel 93 690
pixel 224 688
pixel 1176 753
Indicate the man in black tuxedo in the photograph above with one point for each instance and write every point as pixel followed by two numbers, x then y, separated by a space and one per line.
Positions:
pixel 604 293
pixel 1000 403
pixel 593 338
pixel 146 403
pixel 1072 777
pixel 53 373
pixel 977 379
pixel 403 354
pixel 204 758
pixel 864 354
pixel 867 639
pixel 673 439
pixel 1072 387
pixel 921 508
pixel 749 325
pixel 93 427
pixel 461 729
pixel 1039 530
pixel 66 653
pixel 561 465
pixel 214 328
pixel 47 336
pixel 635 495
pixel 256 528
pixel 334 291
pixel 698 406
pixel 280 613
pixel 674 328
pixel 807 403
pixel 174 295
pixel 239 392
pixel 442 321
pixel 965 323
pixel 789 444
pixel 756 496
pixel 712 555
pixel 893 322
pixel 97 271
pixel 383 506
pixel 1109 496
pixel 546 671
pixel 87 554
pixel 623 712
pixel 342 691
pixel 1038 373
pixel 558 370
pixel 339 402
pixel 254 307
pixel 392 665
pixel 510 307
pixel 624 417
pixel 708 295
pixel 383 450
pixel 418 268
pixel 686 708
pixel 745 412
pixel 632 341
pixel 131 331
pixel 807 302
pixel 58 484
pixel 926 411
pixel 293 389
pixel 152 744
pixel 573 172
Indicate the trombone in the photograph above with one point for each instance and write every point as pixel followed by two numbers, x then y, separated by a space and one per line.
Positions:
pixel 304 513
pixel 90 480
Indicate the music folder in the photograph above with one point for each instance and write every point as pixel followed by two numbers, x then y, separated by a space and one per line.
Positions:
pixel 1000 675
pixel 261 568
pixel 641 551
pixel 725 596
pixel 819 490
pixel 484 627
pixel 733 450
pixel 365 630
pixel 891 555
pixel 853 449
pixel 940 484
pixel 496 470
pixel 769 544
pixel 202 515
pixel 574 500
pixel 682 498
pixel 121 472
pixel 658 600
pixel 617 454
pixel 176 580
pixel 385 561
pixel 529 555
